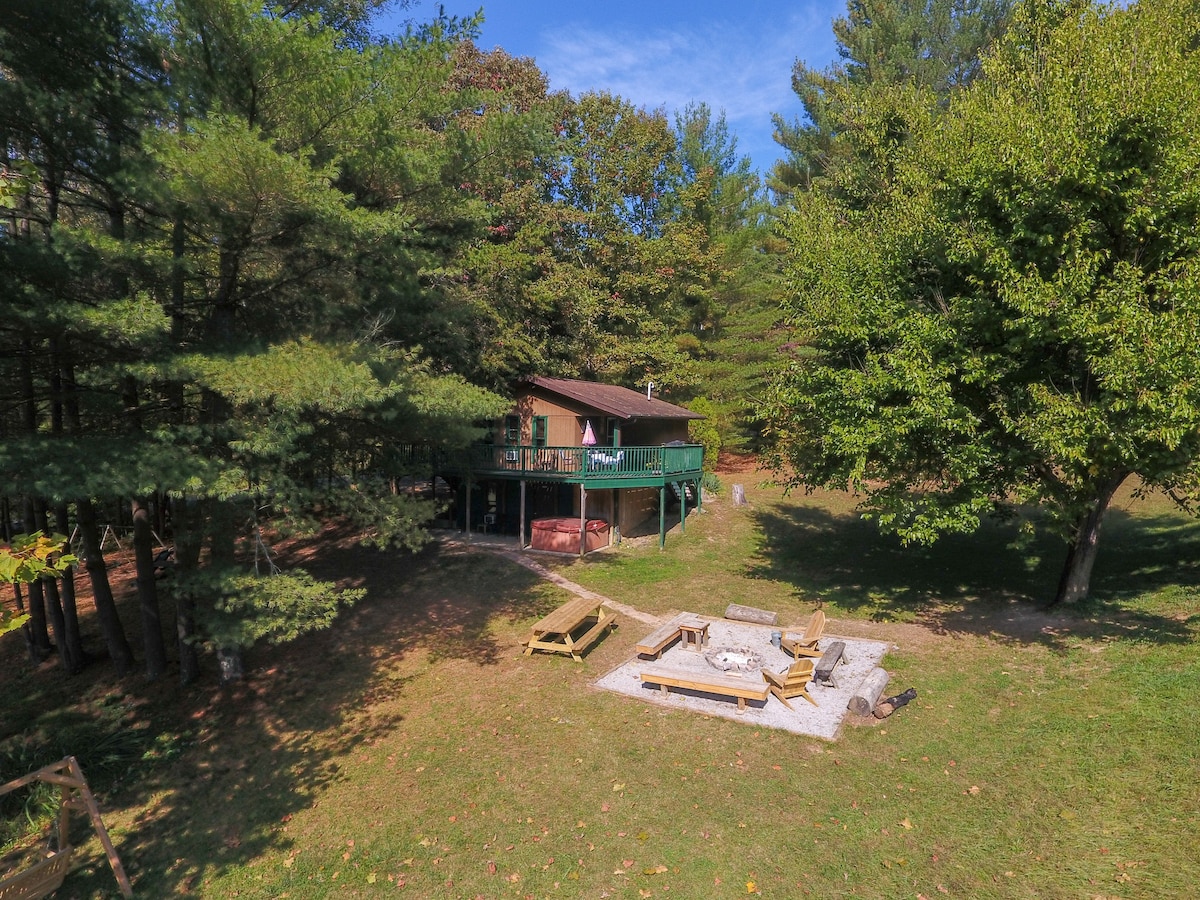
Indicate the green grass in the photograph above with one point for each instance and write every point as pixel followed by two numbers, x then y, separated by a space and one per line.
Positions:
pixel 1047 755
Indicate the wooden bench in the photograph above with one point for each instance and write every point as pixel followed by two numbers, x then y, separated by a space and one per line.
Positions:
pixel 559 631
pixel 40 880
pixel 657 641
pixel 742 689
pixel 834 654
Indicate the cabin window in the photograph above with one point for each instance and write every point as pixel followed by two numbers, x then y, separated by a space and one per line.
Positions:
pixel 512 430
pixel 541 428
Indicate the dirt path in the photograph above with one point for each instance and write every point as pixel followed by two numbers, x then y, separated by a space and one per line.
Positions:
pixel 577 589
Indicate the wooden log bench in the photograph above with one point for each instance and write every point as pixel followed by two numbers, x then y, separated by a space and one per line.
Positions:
pixel 824 671
pixel 657 641
pixel 741 689
pixel 751 614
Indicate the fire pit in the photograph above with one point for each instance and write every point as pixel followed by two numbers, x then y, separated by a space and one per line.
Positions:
pixel 733 659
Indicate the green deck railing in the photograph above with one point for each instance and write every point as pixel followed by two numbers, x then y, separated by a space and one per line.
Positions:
pixel 597 463
pixel 586 464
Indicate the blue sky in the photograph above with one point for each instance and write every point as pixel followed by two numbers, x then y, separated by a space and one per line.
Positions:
pixel 735 56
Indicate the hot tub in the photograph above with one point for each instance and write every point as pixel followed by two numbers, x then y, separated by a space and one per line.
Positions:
pixel 561 533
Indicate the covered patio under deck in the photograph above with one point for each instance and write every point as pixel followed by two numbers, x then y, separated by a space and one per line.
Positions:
pixel 676 467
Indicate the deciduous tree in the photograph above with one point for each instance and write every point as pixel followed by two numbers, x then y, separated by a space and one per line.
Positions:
pixel 1002 302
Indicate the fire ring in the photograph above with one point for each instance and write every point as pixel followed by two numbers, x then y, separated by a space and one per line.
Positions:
pixel 733 659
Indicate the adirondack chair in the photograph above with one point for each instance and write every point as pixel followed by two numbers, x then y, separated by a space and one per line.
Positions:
pixel 807 644
pixel 793 682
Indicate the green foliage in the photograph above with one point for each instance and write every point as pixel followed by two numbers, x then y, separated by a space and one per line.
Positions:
pixel 1000 297
pixel 31 556
pixel 705 431
pixel 27 558
pixel 241 608
pixel 934 44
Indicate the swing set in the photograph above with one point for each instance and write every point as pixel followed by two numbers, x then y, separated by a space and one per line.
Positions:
pixel 46 876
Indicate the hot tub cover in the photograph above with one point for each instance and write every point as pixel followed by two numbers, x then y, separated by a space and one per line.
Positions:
pixel 567 524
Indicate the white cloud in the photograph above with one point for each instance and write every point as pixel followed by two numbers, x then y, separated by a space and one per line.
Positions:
pixel 743 68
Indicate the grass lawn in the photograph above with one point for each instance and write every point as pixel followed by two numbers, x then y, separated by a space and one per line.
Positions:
pixel 415 752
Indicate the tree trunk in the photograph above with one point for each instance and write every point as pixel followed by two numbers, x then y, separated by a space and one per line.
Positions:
pixel 67 417
pixel 71 634
pixel 222 555
pixel 26 631
pixel 39 633
pixel 229 664
pixel 1076 575
pixel 54 609
pixel 147 589
pixel 115 640
pixel 185 522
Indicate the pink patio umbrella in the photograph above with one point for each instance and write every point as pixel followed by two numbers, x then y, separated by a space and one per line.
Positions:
pixel 589 436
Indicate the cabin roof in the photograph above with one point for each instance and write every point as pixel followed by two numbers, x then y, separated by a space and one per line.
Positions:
pixel 610 399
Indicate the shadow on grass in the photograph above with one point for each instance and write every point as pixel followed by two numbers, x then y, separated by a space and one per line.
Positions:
pixel 248 760
pixel 986 582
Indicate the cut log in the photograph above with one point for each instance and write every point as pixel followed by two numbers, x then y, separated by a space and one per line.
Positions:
pixel 885 708
pixel 739 495
pixel 867 694
pixel 750 614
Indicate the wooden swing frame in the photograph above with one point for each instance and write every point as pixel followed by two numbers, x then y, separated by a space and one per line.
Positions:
pixel 46 876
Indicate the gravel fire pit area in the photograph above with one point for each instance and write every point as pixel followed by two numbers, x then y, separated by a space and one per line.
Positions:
pixel 742 650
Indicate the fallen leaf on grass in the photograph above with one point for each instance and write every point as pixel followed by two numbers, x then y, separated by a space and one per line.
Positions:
pixel 618 787
pixel 654 870
pixel 906 824
pixel 372 878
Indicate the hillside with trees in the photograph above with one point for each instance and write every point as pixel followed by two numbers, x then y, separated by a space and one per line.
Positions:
pixel 248 251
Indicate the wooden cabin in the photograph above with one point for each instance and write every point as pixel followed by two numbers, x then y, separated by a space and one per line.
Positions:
pixel 588 452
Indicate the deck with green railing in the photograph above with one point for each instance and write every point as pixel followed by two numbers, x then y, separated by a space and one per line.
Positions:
pixel 595 467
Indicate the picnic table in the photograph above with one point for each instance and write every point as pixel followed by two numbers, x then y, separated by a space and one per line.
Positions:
pixel 571 628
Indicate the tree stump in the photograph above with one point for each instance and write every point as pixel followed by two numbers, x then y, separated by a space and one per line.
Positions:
pixel 867 694
pixel 750 614
pixel 739 495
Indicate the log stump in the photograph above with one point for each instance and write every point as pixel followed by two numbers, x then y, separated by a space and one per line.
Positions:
pixel 750 614
pixel 867 694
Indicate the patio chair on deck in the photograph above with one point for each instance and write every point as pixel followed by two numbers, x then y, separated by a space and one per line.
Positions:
pixel 793 682
pixel 598 459
pixel 807 644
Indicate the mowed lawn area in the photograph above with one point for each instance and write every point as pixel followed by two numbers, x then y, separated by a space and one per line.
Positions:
pixel 414 751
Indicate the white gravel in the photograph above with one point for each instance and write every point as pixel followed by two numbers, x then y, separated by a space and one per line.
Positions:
pixel 822 721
